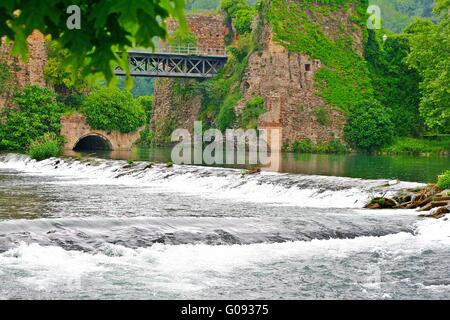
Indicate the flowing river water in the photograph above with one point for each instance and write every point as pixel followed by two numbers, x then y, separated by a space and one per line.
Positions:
pixel 103 229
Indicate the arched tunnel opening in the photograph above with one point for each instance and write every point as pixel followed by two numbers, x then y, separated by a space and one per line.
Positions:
pixel 92 142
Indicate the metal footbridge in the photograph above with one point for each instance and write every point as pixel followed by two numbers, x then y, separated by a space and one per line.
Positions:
pixel 176 62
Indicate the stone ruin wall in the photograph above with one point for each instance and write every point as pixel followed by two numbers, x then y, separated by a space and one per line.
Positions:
pixel 286 82
pixel 31 72
pixel 209 29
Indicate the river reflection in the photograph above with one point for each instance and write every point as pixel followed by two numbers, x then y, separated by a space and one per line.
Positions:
pixel 405 168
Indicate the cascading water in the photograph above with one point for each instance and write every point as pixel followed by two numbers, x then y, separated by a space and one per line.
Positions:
pixel 108 229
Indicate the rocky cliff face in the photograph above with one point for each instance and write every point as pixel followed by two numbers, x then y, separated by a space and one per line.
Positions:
pixel 277 74
pixel 174 106
pixel 283 73
pixel 280 73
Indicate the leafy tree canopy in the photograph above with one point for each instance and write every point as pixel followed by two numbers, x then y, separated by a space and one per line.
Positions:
pixel 430 56
pixel 241 14
pixel 36 114
pixel 113 109
pixel 369 126
pixel 107 27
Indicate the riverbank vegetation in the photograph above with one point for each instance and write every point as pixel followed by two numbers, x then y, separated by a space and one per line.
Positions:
pixel 335 146
pixel 444 180
pixel 46 146
pixel 33 125
pixel 418 147
pixel 36 113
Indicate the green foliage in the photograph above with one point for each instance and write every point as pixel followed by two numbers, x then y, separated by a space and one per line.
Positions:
pixel 369 126
pixel 430 56
pixel 143 86
pixel 321 116
pixel 113 109
pixel 444 180
pixel 44 147
pixel 335 146
pixel 344 80
pixel 146 103
pixel 37 113
pixel 63 77
pixel 227 116
pixel 240 13
pixel 183 38
pixel 5 78
pixel 396 85
pixel 221 94
pixel 241 49
pixel 165 127
pixel 412 146
pixel 71 102
pixel 397 14
pixel 303 146
pixel 107 27
pixel 147 138
pixel 253 109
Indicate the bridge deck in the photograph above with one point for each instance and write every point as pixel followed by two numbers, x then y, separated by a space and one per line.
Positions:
pixel 190 63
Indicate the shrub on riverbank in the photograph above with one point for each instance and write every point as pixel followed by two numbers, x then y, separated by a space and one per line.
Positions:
pixel 47 146
pixel 307 146
pixel 413 146
pixel 369 126
pixel 147 138
pixel 36 112
pixel 444 180
pixel 112 109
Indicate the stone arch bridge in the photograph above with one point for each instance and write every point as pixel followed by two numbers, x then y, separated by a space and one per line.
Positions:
pixel 80 136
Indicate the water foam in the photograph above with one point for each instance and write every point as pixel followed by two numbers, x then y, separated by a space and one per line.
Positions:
pixel 182 265
pixel 231 184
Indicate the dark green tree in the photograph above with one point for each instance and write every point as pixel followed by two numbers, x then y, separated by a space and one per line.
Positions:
pixel 113 109
pixel 37 113
pixel 369 126
pixel 430 56
pixel 396 85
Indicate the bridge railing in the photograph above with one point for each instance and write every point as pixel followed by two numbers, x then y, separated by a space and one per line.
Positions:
pixel 192 50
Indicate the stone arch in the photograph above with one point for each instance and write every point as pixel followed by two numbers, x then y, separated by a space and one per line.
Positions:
pixel 92 141
pixel 74 128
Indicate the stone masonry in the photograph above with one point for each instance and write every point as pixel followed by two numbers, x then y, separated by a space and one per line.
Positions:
pixel 209 29
pixel 74 128
pixel 286 82
pixel 31 72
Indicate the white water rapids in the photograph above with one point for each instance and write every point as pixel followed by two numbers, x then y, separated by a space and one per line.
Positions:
pixel 103 229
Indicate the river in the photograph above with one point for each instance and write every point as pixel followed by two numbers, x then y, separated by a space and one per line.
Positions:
pixel 105 229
